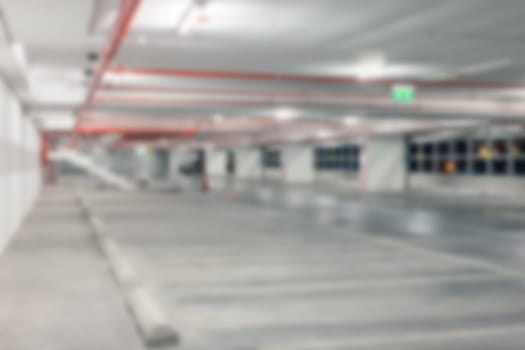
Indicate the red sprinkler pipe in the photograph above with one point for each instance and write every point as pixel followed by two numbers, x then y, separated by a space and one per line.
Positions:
pixel 313 79
pixel 97 130
pixel 128 10
pixel 270 93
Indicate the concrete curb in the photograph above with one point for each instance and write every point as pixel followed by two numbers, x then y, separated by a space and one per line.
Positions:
pixel 97 225
pixel 108 246
pixel 154 326
pixel 123 271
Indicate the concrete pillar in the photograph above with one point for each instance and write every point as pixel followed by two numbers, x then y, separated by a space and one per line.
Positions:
pixel 248 164
pixel 298 164
pixel 216 163
pixel 216 168
pixel 384 164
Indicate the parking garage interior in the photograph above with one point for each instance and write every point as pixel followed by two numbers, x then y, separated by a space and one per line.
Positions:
pixel 262 174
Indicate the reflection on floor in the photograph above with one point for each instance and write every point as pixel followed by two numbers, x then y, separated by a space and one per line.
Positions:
pixel 236 276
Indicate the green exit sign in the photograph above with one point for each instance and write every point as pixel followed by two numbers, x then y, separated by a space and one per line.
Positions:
pixel 403 93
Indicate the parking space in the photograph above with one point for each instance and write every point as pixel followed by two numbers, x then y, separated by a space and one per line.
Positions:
pixel 235 276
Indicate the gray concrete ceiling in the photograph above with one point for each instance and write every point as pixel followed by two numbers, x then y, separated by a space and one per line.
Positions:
pixel 448 41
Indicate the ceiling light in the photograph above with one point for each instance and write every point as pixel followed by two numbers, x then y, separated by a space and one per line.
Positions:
pixel 114 78
pixel 324 134
pixel 218 118
pixel 194 14
pixel 371 66
pixel 284 114
pixel 351 121
pixel 158 15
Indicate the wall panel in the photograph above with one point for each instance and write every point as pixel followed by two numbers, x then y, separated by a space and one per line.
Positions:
pixel 19 165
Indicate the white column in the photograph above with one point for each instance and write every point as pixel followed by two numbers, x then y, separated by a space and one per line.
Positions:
pixel 216 163
pixel 298 164
pixel 248 164
pixel 384 164
pixel 216 168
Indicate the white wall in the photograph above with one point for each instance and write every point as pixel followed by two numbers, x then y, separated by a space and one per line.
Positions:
pixel 19 165
pixel 216 163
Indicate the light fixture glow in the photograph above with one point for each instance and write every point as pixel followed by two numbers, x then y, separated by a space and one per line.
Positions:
pixel 191 16
pixel 351 120
pixel 218 118
pixel 371 67
pixel 324 134
pixel 285 113
pixel 114 78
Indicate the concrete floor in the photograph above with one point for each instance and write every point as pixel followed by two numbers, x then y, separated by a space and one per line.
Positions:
pixel 238 276
pixel 55 290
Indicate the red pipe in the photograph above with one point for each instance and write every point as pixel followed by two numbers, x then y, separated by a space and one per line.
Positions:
pixel 160 89
pixel 128 10
pixel 138 132
pixel 209 100
pixel 44 150
pixel 145 101
pixel 236 75
pixel 273 93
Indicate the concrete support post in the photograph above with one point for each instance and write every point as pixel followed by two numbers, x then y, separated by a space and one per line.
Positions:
pixel 216 163
pixel 248 164
pixel 384 164
pixel 298 164
pixel 216 168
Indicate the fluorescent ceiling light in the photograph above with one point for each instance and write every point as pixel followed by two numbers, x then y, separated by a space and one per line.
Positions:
pixel 324 134
pixel 285 113
pixel 114 78
pixel 351 120
pixel 371 66
pixel 377 66
pixel 195 10
pixel 159 15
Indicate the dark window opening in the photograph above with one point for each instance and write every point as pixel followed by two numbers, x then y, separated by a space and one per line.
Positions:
pixel 500 167
pixel 480 167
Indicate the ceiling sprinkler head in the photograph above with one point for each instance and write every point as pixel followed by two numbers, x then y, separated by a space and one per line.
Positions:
pixel 92 56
